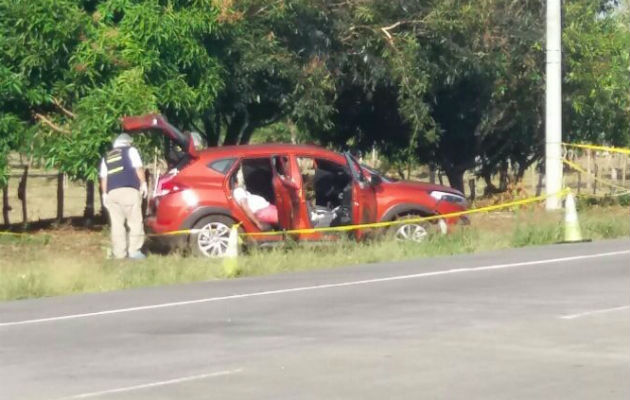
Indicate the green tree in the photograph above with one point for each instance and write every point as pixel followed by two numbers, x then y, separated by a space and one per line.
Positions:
pixel 597 83
pixel 36 41
pixel 80 66
pixel 272 68
pixel 438 82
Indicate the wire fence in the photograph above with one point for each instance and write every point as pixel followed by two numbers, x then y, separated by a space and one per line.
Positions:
pixel 32 196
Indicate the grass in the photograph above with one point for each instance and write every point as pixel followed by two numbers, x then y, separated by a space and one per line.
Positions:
pixel 67 261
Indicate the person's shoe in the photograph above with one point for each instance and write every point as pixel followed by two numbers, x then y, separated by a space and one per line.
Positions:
pixel 137 256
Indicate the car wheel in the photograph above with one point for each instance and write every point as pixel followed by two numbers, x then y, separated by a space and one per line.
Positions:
pixel 416 231
pixel 211 236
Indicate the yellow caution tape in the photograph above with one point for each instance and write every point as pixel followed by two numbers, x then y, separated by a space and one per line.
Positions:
pixel 599 148
pixel 603 181
pixel 348 228
pixel 173 233
pixel 386 224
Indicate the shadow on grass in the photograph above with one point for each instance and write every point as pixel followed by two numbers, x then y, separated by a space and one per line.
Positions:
pixel 97 223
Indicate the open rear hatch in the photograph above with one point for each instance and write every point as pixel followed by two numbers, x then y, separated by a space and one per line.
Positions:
pixel 179 151
pixel 157 123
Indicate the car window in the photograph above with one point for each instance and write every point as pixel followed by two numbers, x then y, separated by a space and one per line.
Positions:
pixel 282 166
pixel 222 166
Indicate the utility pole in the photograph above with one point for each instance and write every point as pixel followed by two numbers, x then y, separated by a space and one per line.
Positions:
pixel 553 117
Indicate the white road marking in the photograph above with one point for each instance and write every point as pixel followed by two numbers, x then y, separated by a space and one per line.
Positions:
pixel 589 313
pixel 153 384
pixel 316 287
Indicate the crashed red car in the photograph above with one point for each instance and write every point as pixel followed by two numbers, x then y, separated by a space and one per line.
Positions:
pixel 196 194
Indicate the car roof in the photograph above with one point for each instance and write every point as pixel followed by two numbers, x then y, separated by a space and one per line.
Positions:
pixel 266 149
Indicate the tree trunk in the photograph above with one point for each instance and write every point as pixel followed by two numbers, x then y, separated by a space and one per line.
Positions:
pixel 60 179
pixel 88 213
pixel 595 175
pixel 401 172
pixel 520 173
pixel 212 126
pixel 293 131
pixel 540 184
pixel 455 178
pixel 503 178
pixel 432 174
pixel 490 188
pixel 5 204
pixel 247 134
pixel 237 126
pixel 100 197
pixel 473 189
pixel 22 195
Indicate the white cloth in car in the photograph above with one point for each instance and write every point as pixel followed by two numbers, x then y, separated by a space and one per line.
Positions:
pixel 253 201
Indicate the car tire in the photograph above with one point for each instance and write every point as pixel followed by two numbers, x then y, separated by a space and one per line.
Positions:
pixel 416 231
pixel 210 236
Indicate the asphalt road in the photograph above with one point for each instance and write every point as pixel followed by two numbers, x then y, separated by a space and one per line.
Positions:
pixel 539 323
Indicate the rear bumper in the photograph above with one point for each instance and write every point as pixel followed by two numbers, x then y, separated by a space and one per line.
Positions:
pixel 163 238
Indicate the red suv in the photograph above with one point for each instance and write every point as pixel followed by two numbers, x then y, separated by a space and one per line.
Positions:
pixel 196 194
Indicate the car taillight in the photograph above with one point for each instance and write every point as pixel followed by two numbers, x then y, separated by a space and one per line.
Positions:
pixel 167 185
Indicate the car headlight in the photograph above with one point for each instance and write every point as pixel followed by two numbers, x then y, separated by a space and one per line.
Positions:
pixel 450 197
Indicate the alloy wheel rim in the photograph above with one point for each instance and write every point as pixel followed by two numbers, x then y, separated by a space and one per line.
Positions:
pixel 411 232
pixel 212 239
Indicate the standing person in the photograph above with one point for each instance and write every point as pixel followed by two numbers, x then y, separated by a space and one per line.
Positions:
pixel 124 186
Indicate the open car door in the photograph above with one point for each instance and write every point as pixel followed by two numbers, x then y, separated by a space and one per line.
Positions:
pixel 363 196
pixel 286 192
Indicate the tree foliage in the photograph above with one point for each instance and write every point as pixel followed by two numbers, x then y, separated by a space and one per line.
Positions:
pixel 75 68
pixel 597 80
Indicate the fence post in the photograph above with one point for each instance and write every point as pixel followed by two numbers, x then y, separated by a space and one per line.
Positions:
pixel 5 204
pixel 473 189
pixel 88 214
pixel 60 181
pixel 623 170
pixel 22 195
pixel 579 184
pixel 595 172
pixel 103 211
pixel 589 181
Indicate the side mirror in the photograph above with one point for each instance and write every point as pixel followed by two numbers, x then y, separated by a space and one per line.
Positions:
pixel 375 180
